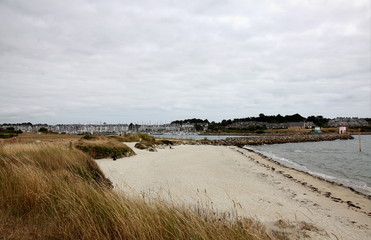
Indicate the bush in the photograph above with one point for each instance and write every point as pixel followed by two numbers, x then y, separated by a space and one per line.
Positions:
pixel 140 146
pixel 135 137
pixel 146 137
pixel 164 141
pixel 104 148
pixel 43 130
pixel 7 135
pixel 88 137
pixel 9 132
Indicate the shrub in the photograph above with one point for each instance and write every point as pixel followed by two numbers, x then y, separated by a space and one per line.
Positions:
pixel 43 129
pixel 140 146
pixel 9 132
pixel 88 137
pixel 146 137
pixel 164 141
pixel 135 137
pixel 105 148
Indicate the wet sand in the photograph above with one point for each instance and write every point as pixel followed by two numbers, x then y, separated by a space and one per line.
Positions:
pixel 243 183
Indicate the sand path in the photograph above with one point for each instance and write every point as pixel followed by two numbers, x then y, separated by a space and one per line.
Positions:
pixel 244 184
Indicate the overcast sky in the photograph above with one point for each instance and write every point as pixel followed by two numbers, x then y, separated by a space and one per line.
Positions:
pixel 117 61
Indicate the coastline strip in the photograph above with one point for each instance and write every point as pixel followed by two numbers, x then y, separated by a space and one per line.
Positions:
pixel 243 183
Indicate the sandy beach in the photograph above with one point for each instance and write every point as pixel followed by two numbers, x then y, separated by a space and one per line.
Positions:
pixel 243 183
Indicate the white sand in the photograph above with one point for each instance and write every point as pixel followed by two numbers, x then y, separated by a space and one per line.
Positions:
pixel 229 179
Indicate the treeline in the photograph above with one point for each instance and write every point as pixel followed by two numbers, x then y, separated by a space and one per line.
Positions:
pixel 277 119
pixel 191 121
pixel 317 120
pixel 21 124
pixel 272 119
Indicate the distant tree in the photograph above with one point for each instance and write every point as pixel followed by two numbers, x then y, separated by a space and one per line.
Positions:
pixel 43 130
pixel 297 118
pixel 198 127
pixel 190 121
pixel 319 121
pixel 213 126
pixel 279 118
pixel 225 123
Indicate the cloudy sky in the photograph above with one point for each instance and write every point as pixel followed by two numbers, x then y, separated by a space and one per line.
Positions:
pixel 147 61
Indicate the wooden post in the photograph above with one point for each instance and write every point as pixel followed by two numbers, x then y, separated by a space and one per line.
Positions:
pixel 359 139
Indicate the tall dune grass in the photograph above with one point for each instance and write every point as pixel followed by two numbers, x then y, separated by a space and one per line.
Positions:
pixel 55 192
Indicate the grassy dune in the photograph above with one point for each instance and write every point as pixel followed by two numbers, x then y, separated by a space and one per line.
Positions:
pixel 52 191
pixel 104 148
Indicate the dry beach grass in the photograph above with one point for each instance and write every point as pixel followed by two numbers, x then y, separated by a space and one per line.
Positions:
pixel 52 191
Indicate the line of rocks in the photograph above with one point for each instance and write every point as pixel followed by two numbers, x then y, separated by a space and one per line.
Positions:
pixel 242 141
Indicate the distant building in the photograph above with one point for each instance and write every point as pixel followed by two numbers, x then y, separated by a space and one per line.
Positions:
pixel 309 124
pixel 247 124
pixel 343 129
pixel 349 122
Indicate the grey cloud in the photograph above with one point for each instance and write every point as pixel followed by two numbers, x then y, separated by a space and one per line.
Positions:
pixel 174 59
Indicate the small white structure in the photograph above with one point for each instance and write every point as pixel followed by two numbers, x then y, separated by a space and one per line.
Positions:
pixel 343 129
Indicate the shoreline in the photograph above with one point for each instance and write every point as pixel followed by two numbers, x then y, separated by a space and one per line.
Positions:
pixel 316 177
pixel 244 183
pixel 307 173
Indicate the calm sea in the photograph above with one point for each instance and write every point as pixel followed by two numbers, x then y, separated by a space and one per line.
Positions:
pixel 338 161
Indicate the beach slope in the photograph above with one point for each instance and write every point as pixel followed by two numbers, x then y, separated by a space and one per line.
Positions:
pixel 243 183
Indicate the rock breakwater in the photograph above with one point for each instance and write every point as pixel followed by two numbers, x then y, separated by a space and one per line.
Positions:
pixel 243 141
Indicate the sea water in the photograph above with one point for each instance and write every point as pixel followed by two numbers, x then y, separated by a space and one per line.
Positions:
pixel 339 161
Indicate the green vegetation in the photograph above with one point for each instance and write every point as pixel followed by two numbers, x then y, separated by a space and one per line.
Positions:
pixel 271 119
pixel 51 191
pixel 9 132
pixel 198 127
pixel 43 130
pixel 165 142
pixel 363 129
pixel 319 121
pixel 191 121
pixel 103 148
pixel 224 125
pixel 88 137
pixel 140 146
pixel 214 128
pixel 134 137
pixel 144 141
